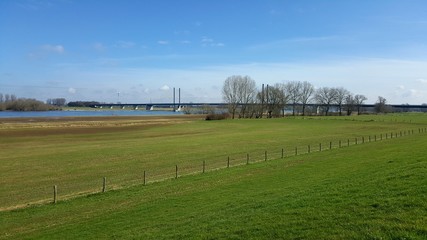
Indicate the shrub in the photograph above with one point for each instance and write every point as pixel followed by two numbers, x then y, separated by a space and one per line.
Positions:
pixel 216 116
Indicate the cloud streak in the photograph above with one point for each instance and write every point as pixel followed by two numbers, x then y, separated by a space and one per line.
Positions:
pixel 53 48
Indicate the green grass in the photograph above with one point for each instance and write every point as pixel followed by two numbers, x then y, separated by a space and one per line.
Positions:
pixel 77 156
pixel 375 190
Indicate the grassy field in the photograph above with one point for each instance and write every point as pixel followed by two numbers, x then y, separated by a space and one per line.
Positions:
pixel 375 190
pixel 75 154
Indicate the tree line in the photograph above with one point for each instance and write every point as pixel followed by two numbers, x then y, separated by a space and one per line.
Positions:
pixel 245 100
pixel 12 103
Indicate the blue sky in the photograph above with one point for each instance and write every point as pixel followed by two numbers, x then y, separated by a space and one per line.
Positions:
pixel 141 49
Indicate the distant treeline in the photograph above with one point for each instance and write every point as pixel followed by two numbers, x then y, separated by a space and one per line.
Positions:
pixel 83 104
pixel 12 103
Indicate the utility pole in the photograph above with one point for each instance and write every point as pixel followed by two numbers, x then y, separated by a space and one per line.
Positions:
pixel 262 100
pixel 174 99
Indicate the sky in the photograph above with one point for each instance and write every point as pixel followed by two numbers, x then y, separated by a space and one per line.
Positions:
pixel 137 51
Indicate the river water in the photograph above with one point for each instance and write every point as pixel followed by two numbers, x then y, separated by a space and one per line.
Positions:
pixel 30 114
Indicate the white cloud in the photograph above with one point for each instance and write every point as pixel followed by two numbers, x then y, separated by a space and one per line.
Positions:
pixel 209 42
pixel 53 48
pixel 422 80
pixel 125 44
pixel 165 88
pixel 99 47
pixel 71 90
pixel 297 41
pixel 163 42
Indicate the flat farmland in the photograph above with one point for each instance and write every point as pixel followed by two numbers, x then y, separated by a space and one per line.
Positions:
pixel 76 153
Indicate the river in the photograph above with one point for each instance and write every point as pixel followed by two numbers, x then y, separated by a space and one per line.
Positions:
pixel 30 114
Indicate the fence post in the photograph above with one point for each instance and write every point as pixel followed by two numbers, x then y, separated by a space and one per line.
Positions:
pixel 330 145
pixel 176 171
pixel 265 156
pixel 339 143
pixel 247 158
pixel 375 137
pixel 369 138
pixel 296 151
pixel 320 147
pixel 55 193
pixel 363 139
pixel 308 149
pixel 204 164
pixel 348 142
pixel 283 153
pixel 104 185
pixel 355 141
pixel 145 175
pixel 228 162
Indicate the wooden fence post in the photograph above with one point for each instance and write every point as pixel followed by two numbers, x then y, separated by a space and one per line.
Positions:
pixel 228 162
pixel 320 147
pixel 308 149
pixel 104 184
pixel 283 153
pixel 296 151
pixel 204 165
pixel 339 143
pixel 55 194
pixel 247 158
pixel 145 175
pixel 176 171
pixel 348 142
pixel 330 145
pixel 355 140
pixel 265 156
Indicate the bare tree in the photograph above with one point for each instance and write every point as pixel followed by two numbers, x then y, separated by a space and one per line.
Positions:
pixel 349 104
pixel 306 93
pixel 325 96
pixel 293 90
pixel 359 100
pixel 1 98
pixel 238 91
pixel 275 100
pixel 381 105
pixel 246 94
pixel 340 95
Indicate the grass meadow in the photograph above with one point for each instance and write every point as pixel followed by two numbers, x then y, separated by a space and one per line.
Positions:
pixel 369 190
